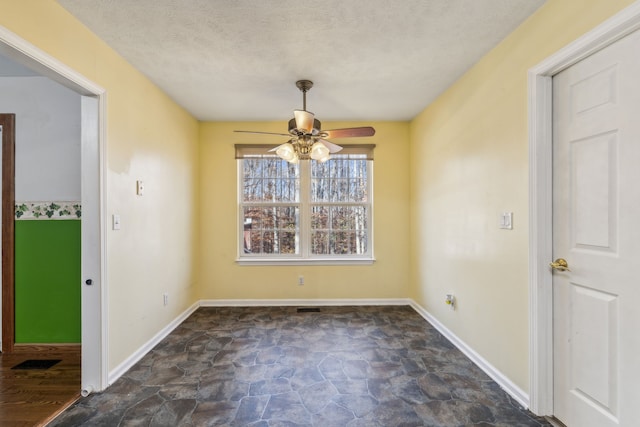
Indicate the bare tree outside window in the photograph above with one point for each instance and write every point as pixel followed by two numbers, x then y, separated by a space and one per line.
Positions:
pixel 339 190
pixel 270 200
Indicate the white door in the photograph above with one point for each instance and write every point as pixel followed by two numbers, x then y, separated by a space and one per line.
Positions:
pixel 596 228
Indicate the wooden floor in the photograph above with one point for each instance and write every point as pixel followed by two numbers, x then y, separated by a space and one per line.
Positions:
pixel 33 397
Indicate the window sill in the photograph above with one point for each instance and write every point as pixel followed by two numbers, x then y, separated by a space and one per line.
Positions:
pixel 300 261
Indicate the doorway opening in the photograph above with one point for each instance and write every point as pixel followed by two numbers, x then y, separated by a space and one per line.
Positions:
pixel 93 253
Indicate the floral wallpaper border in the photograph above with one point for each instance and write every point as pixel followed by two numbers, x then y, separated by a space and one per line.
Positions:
pixel 48 210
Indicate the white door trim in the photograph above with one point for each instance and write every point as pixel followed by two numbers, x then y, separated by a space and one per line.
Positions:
pixel 540 196
pixel 94 331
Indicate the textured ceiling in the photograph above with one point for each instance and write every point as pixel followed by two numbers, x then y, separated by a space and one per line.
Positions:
pixel 227 60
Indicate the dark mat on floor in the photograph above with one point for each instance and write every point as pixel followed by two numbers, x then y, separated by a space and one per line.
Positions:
pixel 37 364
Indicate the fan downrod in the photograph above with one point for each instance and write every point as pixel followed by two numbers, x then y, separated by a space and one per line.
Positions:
pixel 304 86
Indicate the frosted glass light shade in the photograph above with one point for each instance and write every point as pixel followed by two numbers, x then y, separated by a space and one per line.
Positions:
pixel 319 152
pixel 286 152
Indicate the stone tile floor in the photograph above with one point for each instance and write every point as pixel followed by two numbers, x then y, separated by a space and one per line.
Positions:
pixel 373 366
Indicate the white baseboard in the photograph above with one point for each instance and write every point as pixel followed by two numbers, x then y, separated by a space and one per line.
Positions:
pixel 507 385
pixel 146 348
pixel 300 302
pixel 514 391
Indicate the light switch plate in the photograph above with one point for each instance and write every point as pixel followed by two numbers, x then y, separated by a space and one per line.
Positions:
pixel 139 188
pixel 506 220
pixel 116 222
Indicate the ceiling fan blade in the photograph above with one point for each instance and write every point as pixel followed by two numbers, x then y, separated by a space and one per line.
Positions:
pixel 333 148
pixel 304 120
pixel 262 133
pixel 350 132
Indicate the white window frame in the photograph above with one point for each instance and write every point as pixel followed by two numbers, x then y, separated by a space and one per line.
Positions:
pixel 304 203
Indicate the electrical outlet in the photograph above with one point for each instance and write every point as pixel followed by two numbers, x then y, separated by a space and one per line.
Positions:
pixel 139 188
pixel 451 301
pixel 300 280
pixel 165 298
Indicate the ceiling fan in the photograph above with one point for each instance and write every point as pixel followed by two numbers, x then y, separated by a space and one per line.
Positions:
pixel 308 140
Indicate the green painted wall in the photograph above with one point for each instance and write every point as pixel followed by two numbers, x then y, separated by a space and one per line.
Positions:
pixel 47 291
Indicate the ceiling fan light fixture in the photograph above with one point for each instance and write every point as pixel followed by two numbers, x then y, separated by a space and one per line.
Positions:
pixel 319 152
pixel 287 152
pixel 315 131
pixel 307 139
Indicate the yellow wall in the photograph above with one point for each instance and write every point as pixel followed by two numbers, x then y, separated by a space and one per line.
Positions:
pixel 150 138
pixel 469 162
pixel 437 219
pixel 222 278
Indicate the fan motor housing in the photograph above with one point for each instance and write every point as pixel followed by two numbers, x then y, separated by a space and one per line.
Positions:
pixel 294 131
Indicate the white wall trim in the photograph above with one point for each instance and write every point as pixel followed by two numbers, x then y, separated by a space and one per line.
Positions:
pixel 502 380
pixel 128 363
pixel 300 302
pixel 540 246
pixel 540 99
pixel 23 52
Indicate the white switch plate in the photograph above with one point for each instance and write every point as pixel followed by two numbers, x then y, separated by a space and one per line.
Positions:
pixel 116 222
pixel 506 220
pixel 139 188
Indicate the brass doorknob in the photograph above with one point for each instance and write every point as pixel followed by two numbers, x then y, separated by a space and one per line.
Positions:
pixel 560 264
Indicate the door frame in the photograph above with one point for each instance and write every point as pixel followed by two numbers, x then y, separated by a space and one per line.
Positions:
pixel 93 145
pixel 8 232
pixel 540 99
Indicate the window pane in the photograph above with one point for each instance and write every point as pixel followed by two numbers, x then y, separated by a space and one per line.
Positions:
pixel 251 167
pixel 271 230
pixel 320 243
pixel 270 179
pixel 339 230
pixel 339 180
pixel 342 242
pixel 320 217
pixel 349 217
pixel 349 243
pixel 320 191
pixel 252 190
pixel 358 189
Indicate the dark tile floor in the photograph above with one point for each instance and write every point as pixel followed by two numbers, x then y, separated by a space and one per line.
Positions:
pixel 274 367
